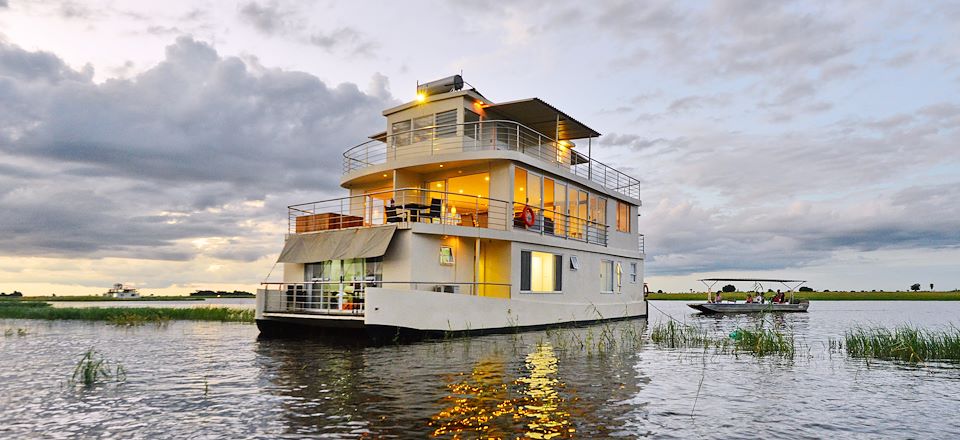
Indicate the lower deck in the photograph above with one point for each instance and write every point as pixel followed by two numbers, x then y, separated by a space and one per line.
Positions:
pixel 428 278
pixel 437 312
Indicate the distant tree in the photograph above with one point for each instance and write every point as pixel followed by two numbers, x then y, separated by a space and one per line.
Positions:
pixel 931 286
pixel 915 287
pixel 729 288
pixel 826 290
pixel 659 291
pixel 806 289
pixel 16 293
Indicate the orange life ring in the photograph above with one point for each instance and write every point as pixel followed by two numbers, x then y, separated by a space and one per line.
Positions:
pixel 529 218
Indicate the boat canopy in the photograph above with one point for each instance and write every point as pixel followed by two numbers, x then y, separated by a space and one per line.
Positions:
pixel 340 244
pixel 544 118
pixel 791 285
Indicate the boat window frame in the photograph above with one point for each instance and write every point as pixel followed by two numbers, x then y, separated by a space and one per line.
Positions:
pixel 526 262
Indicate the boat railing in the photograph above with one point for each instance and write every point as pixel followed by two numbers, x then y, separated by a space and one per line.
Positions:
pixel 555 223
pixel 419 205
pixel 488 135
pixel 348 298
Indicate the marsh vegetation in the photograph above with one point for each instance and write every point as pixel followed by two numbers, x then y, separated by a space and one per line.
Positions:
pixel 124 315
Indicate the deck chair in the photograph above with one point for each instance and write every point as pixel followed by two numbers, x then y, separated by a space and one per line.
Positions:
pixel 392 216
pixel 436 209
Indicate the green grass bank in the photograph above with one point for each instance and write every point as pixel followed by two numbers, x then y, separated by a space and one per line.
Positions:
pixel 125 315
pixel 824 296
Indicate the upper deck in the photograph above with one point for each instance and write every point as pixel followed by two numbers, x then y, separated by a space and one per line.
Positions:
pixel 462 126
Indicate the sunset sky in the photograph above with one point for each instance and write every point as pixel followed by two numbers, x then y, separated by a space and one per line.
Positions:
pixel 159 143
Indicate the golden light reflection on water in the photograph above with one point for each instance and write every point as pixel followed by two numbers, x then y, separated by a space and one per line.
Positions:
pixel 483 405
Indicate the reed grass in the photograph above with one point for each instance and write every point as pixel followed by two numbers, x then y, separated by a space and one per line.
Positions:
pixel 129 315
pixel 93 368
pixel 758 341
pixel 903 343
pixel 8 303
pixel 764 342
pixel 676 335
pixel 20 331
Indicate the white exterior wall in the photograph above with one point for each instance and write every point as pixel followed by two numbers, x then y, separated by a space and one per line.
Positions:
pixel 580 285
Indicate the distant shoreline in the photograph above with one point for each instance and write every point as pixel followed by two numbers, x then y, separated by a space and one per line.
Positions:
pixel 822 296
pixel 106 298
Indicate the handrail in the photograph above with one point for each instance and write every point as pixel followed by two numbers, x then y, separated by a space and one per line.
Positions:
pixel 316 297
pixel 474 283
pixel 482 212
pixel 487 135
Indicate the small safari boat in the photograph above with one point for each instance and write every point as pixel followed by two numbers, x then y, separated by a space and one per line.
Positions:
pixel 714 306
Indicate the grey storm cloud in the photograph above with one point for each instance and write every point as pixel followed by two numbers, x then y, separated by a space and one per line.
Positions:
pixel 90 167
pixel 276 20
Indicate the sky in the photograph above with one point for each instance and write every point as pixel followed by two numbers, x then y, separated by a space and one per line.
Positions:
pixel 159 143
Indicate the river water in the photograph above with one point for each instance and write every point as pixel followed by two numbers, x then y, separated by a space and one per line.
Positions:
pixel 218 380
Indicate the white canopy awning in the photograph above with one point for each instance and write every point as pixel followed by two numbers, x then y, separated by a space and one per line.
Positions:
pixel 340 244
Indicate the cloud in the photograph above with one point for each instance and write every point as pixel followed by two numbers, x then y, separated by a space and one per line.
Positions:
pixel 269 19
pixel 694 102
pixel 197 134
pixel 344 38
pixel 73 10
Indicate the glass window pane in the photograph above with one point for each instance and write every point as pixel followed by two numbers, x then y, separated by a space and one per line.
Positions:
pixel 401 133
pixel 560 207
pixel 623 217
pixel 533 191
pixel 540 271
pixel 420 130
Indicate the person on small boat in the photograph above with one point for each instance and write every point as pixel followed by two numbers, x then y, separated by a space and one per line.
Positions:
pixel 717 298
pixel 749 298
pixel 778 298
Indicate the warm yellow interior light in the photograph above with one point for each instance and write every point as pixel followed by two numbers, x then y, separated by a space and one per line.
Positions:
pixel 487 178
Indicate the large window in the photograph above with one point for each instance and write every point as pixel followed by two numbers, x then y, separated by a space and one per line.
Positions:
pixel 520 185
pixel 606 276
pixel 598 209
pixel 420 131
pixel 623 217
pixel 540 272
pixel 401 133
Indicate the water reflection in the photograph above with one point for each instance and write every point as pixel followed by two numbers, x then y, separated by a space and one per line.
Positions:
pixel 531 385
pixel 483 404
pixel 542 405
pixel 478 403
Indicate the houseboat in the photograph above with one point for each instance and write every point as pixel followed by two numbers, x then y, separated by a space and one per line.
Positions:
pixel 119 291
pixel 464 216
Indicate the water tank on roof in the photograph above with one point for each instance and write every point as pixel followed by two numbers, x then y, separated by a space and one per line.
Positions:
pixel 448 84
